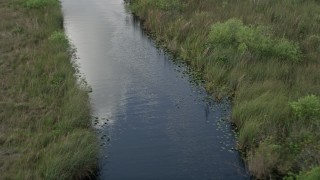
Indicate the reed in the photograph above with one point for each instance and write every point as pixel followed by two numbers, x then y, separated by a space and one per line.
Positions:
pixel 44 114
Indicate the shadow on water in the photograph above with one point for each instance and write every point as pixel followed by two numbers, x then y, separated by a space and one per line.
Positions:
pixel 153 117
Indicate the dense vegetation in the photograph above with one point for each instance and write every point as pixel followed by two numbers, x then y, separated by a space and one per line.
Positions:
pixel 265 55
pixel 44 114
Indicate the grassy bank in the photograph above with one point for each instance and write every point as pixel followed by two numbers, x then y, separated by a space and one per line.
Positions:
pixel 44 114
pixel 265 55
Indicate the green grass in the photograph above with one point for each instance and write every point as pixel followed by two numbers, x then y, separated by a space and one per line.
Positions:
pixel 263 54
pixel 44 113
pixel 310 175
pixel 238 39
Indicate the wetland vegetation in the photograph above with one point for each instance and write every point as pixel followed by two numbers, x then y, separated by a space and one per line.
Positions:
pixel 265 56
pixel 262 54
pixel 45 115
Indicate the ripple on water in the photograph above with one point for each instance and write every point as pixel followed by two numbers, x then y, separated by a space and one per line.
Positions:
pixel 153 118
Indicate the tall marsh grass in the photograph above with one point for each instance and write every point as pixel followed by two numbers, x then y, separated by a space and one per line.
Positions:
pixel 264 55
pixel 44 115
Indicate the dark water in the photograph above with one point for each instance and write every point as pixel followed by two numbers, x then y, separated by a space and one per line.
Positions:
pixel 152 122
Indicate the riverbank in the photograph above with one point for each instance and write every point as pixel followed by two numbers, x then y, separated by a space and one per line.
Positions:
pixel 45 115
pixel 265 56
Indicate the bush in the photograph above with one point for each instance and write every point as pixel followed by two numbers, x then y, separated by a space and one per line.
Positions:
pixel 59 38
pixel 256 40
pixel 307 107
pixel 225 34
pixel 286 50
pixel 310 175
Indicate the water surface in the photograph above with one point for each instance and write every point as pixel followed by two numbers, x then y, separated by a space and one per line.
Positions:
pixel 152 122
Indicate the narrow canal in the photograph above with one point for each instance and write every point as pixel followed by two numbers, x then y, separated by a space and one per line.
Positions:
pixel 153 122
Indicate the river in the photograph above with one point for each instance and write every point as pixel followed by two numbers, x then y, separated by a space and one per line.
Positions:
pixel 152 120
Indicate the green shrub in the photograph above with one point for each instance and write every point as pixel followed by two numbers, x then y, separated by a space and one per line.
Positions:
pixel 286 50
pixel 256 40
pixel 307 107
pixel 60 38
pixel 313 174
pixel 225 34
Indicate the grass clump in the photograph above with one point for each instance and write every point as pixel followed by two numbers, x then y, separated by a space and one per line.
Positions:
pixel 38 3
pixel 75 166
pixel 165 5
pixel 44 114
pixel 59 38
pixel 310 175
pixel 307 107
pixel 256 40
pixel 265 56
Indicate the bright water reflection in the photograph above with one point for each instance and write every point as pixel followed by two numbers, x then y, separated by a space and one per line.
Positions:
pixel 153 122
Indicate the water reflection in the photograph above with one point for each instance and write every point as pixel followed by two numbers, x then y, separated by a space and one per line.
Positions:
pixel 153 123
